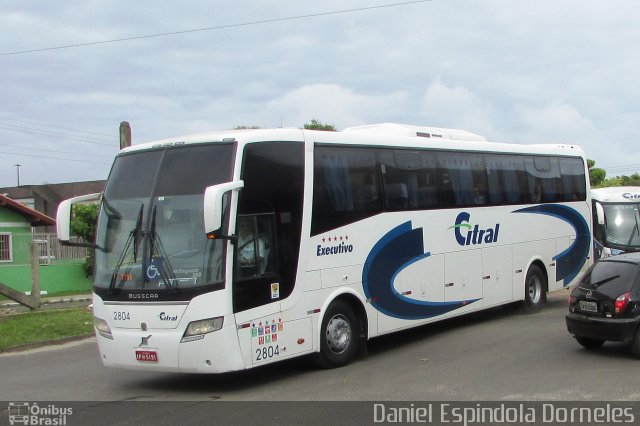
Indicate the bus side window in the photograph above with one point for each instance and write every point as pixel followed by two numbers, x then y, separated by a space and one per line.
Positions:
pixel 346 187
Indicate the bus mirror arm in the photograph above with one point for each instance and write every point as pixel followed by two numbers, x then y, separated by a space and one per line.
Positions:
pixel 214 206
pixel 219 236
pixel 82 244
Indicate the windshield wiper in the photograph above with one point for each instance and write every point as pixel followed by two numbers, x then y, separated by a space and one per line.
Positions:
pixel 134 236
pixel 635 228
pixel 605 280
pixel 155 246
pixel 137 234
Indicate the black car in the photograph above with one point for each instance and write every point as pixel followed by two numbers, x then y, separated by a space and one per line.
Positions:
pixel 605 304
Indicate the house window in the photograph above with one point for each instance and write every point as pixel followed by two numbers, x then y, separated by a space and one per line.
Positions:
pixel 5 247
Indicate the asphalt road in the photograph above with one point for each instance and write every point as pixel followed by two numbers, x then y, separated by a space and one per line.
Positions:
pixel 498 355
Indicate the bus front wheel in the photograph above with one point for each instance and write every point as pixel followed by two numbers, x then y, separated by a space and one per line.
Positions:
pixel 339 336
pixel 535 289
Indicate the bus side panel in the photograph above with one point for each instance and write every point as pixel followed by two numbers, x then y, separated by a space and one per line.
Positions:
pixel 497 275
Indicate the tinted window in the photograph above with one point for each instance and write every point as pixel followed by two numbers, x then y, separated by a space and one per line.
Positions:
pixel 346 187
pixel 506 179
pixel 611 277
pixel 462 179
pixel 409 179
pixel 192 169
pixel 132 176
pixel 273 175
pixel 573 179
pixel 353 183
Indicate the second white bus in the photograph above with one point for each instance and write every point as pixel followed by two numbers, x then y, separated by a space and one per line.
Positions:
pixel 355 234
pixel 616 220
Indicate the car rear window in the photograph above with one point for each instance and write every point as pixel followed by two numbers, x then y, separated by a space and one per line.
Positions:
pixel 611 277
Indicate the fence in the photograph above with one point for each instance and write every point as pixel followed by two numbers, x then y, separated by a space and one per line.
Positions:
pixel 51 249
pixel 62 267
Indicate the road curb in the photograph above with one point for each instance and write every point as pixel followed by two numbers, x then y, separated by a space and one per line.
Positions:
pixel 36 345
pixel 11 304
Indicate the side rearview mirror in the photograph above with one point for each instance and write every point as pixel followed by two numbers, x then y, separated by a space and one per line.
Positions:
pixel 63 215
pixel 213 204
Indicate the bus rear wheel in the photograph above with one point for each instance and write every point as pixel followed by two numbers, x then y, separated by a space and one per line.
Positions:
pixel 339 336
pixel 535 289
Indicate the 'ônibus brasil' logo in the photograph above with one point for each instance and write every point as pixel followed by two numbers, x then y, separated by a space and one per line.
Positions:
pixel 474 234
pixel 334 245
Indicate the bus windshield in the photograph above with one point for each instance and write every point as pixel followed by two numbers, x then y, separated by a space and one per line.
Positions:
pixel 151 227
pixel 622 225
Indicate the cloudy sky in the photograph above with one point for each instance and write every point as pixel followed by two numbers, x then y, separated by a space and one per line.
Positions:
pixel 543 71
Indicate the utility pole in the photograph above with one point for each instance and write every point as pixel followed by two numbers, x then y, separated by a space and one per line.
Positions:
pixel 125 135
pixel 18 170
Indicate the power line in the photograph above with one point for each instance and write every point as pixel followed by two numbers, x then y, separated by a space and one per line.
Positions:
pixel 38 149
pixel 37 123
pixel 49 133
pixel 625 166
pixel 50 158
pixel 219 27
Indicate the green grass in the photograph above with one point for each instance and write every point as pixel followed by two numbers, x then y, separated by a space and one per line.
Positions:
pixel 59 294
pixel 44 326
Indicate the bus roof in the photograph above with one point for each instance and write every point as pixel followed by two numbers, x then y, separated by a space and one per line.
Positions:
pixel 617 194
pixel 413 131
pixel 384 134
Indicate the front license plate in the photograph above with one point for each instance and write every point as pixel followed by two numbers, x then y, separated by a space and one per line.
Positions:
pixel 588 306
pixel 147 356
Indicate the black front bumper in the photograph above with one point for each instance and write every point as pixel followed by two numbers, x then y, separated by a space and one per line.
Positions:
pixel 613 329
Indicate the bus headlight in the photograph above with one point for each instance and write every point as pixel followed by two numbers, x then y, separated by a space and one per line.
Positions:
pixel 102 327
pixel 201 327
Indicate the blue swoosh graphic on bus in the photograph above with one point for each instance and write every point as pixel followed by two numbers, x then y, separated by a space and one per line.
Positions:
pixel 569 262
pixel 399 248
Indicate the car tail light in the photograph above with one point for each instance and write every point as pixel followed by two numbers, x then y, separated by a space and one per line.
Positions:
pixel 572 299
pixel 621 302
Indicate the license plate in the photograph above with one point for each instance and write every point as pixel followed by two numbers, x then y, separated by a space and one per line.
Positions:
pixel 147 356
pixel 588 306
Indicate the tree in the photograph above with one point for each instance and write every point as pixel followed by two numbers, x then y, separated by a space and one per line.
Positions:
pixel 596 175
pixel 317 125
pixel 83 224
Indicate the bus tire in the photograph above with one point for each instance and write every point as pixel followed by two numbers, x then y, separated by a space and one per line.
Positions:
pixel 339 335
pixel 535 289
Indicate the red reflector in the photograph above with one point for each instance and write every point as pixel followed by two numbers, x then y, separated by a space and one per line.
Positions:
pixel 128 276
pixel 406 293
pixel 247 325
pixel 300 341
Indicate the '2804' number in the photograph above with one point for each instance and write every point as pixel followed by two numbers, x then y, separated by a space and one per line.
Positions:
pixel 121 316
pixel 267 352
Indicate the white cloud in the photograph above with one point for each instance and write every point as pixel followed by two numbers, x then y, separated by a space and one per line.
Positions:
pixel 458 107
pixel 555 123
pixel 333 104
pixel 511 71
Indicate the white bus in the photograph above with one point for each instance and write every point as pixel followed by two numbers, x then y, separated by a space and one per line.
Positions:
pixel 616 224
pixel 356 234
